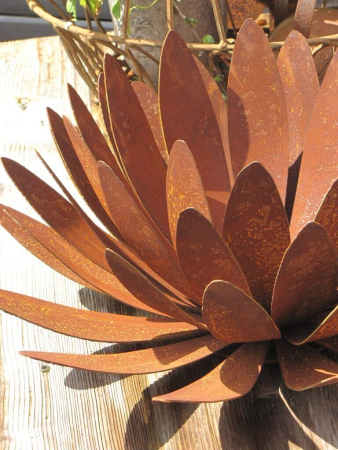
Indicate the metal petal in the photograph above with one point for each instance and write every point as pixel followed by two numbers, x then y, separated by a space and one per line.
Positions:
pixel 147 292
pixel 327 215
pixel 101 84
pixel 233 316
pixel 307 278
pixel 149 102
pixel 95 326
pixel 57 212
pixel 330 344
pixel 220 109
pixel 319 169
pixel 203 255
pixel 327 328
pixel 256 230
pixel 304 367
pixel 295 62
pixel 91 132
pixel 74 167
pixel 187 114
pixel 151 360
pixel 184 186
pixel 139 232
pixel 141 158
pixel 257 116
pixel 93 274
pixel 232 379
pixel 32 245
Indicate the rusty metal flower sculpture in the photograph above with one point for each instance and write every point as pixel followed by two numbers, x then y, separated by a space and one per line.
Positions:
pixel 196 198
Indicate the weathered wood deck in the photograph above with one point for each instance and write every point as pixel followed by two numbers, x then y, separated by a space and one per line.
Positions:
pixel 67 409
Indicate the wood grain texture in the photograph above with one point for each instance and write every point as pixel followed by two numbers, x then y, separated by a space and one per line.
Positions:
pixel 70 409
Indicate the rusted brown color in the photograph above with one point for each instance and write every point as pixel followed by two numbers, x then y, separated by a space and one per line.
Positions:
pixel 136 143
pixel 233 316
pixel 223 383
pixel 303 16
pixel 257 134
pixel 184 186
pixel 319 169
pixel 95 326
pixel 242 10
pixel 307 278
pixel 147 292
pixel 203 255
pixel 149 102
pixel 294 60
pixel 256 230
pixel 158 359
pixel 190 117
pixel 327 328
pixel 304 367
pixel 189 234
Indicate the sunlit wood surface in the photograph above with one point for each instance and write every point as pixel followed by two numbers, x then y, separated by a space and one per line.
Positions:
pixel 69 409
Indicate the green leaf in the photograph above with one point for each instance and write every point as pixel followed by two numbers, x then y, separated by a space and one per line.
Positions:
pixel 219 78
pixel 190 21
pixel 116 10
pixel 71 8
pixel 208 39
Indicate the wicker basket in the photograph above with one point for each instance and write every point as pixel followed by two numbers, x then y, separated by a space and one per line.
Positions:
pixel 86 47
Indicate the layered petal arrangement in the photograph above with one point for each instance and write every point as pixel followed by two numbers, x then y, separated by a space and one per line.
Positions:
pixel 220 218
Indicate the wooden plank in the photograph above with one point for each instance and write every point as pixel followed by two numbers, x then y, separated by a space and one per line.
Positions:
pixel 70 409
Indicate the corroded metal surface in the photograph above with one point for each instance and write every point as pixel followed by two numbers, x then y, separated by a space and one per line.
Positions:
pixel 223 383
pixel 95 326
pixel 233 316
pixel 327 328
pixel 304 367
pixel 147 292
pixel 303 16
pixel 184 186
pixel 187 114
pixel 294 60
pixel 149 102
pixel 158 359
pixel 178 237
pixel 204 256
pixel 307 279
pixel 136 144
pixel 256 230
pixel 257 134
pixel 319 167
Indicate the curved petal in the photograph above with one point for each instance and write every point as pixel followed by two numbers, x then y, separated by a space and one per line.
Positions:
pixel 57 212
pixel 257 116
pixel 32 245
pixel 327 328
pixel 139 232
pixel 187 114
pixel 295 62
pixel 203 255
pixel 91 132
pixel 232 379
pixel 330 344
pixel 256 230
pixel 95 326
pixel 146 291
pixel 233 317
pixel 304 367
pixel 184 186
pixel 101 279
pixel 151 360
pixel 149 102
pixel 319 168
pixel 307 278
pixel 327 215
pixel 138 150
pixel 74 167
